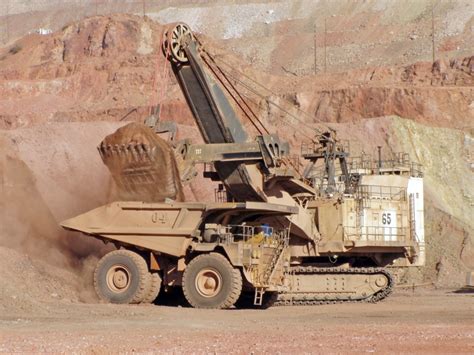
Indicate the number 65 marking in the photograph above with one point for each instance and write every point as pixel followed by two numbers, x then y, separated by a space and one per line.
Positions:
pixel 386 218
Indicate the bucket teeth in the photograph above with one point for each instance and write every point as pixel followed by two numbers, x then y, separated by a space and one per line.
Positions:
pixel 143 170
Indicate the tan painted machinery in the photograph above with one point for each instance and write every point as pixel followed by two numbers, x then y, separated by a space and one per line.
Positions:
pixel 274 236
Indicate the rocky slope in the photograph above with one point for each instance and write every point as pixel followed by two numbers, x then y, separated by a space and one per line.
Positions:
pixel 282 36
pixel 110 68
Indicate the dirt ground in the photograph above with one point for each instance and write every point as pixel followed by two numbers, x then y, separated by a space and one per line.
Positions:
pixel 425 321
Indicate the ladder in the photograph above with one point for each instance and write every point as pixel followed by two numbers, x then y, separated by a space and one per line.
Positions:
pixel 270 270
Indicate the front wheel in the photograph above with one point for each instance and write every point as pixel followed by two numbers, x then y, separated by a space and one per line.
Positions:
pixel 122 276
pixel 210 281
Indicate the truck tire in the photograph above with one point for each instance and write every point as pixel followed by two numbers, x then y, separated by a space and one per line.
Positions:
pixel 122 276
pixel 153 288
pixel 210 281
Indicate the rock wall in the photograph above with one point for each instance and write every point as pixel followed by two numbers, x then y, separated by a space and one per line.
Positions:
pixel 301 37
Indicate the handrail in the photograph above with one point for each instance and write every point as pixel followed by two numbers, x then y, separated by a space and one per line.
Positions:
pixel 369 192
pixel 375 233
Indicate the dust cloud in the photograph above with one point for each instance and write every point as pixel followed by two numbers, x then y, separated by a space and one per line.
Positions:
pixel 32 244
pixel 51 172
pixel 28 226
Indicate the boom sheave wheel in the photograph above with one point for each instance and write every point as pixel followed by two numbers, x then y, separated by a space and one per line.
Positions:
pixel 176 40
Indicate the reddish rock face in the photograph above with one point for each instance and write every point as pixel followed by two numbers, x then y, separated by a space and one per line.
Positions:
pixel 111 68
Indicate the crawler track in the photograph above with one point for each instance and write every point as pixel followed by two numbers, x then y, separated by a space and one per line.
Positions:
pixel 305 298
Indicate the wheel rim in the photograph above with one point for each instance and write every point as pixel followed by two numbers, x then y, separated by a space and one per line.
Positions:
pixel 118 278
pixel 208 283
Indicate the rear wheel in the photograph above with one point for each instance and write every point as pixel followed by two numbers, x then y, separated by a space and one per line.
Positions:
pixel 153 288
pixel 122 276
pixel 210 281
